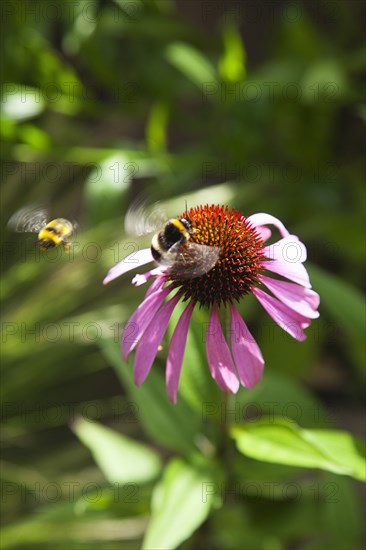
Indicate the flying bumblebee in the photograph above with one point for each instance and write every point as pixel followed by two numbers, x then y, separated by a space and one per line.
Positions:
pixel 172 246
pixel 51 233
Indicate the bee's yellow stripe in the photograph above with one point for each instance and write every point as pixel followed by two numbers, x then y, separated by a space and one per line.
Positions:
pixel 180 226
pixel 49 236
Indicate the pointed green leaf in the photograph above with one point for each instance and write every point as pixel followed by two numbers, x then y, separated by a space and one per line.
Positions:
pixel 181 503
pixel 121 459
pixel 284 442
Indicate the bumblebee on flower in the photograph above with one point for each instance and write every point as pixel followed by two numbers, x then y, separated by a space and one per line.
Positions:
pixel 212 257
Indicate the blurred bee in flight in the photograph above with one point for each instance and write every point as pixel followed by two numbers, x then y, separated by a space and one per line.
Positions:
pixel 171 245
pixel 53 233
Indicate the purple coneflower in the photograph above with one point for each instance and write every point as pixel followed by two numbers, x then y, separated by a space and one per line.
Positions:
pixel 240 269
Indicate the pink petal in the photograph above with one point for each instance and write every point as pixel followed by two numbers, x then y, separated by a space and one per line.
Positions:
pixel 156 285
pixel 148 347
pixel 264 219
pixel 219 357
pixel 264 232
pixel 290 321
pixel 132 261
pixel 141 279
pixel 297 298
pixel 289 250
pixel 294 272
pixel 247 355
pixel 176 352
pixel 140 320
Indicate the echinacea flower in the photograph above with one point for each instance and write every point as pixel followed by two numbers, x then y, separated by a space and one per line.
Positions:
pixel 244 265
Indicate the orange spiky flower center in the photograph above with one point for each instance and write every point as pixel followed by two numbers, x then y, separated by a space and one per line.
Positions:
pixel 239 262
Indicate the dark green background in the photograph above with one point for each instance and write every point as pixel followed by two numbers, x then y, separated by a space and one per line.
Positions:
pixel 256 104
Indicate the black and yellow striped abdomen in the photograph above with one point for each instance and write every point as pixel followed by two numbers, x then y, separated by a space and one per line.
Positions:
pixel 173 232
pixel 56 232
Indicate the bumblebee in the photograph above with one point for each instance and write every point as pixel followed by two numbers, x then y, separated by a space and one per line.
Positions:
pixel 52 233
pixel 56 232
pixel 172 247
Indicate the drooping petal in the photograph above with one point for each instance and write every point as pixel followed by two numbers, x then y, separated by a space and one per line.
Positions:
pixel 140 320
pixel 142 278
pixel 219 357
pixel 266 219
pixel 290 250
pixel 291 322
pixel 300 299
pixel 294 272
pixel 247 355
pixel 148 347
pixel 132 261
pixel 158 283
pixel 176 352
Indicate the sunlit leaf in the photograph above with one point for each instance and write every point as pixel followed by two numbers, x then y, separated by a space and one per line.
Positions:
pixel 34 136
pixel 181 503
pixel 284 442
pixel 120 458
pixel 232 63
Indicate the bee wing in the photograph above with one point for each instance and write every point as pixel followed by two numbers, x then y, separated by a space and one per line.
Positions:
pixel 193 260
pixel 29 219
pixel 72 224
pixel 75 227
pixel 141 219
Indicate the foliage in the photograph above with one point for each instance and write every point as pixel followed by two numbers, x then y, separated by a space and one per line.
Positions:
pixel 106 101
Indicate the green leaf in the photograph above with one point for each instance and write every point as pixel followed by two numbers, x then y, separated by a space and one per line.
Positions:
pixel 192 63
pixel 174 426
pixel 284 442
pixel 106 185
pixel 343 302
pixel 181 503
pixel 232 63
pixel 121 459
pixel 345 305
pixel 59 526
pixel 324 80
pixel 34 136
pixel 342 515
pixel 156 131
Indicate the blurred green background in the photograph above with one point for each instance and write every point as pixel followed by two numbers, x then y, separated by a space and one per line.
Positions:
pixel 256 104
